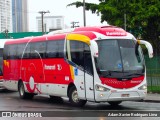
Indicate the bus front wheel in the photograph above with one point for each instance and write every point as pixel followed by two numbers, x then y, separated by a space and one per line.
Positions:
pixel 73 98
pixel 22 93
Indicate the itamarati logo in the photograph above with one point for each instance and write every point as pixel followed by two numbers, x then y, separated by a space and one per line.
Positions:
pixel 116 33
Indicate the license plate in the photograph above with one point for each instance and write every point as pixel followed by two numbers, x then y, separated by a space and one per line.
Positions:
pixel 125 95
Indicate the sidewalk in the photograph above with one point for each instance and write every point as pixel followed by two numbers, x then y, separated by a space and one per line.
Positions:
pixel 152 97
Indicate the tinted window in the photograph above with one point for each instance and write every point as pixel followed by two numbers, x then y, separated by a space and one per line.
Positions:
pixel 20 49
pixel 38 49
pixel 81 55
pixel 77 52
pixel 117 58
pixel 88 60
pixel 1 52
pixel 26 52
pixel 55 49
pixel 11 53
pixel 5 52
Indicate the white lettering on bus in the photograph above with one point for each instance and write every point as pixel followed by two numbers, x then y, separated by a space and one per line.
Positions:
pixel 139 81
pixel 115 33
pixel 59 67
pixel 49 67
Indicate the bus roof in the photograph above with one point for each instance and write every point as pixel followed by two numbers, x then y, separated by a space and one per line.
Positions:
pixel 110 31
pixel 105 30
pixel 61 31
pixel 37 38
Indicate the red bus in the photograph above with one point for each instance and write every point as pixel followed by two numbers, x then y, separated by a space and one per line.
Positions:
pixel 2 41
pixel 99 64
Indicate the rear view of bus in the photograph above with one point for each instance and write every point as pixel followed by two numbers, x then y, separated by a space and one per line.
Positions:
pixel 2 41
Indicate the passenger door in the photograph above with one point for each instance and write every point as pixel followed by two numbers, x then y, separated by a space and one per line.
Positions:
pixel 88 74
pixel 79 58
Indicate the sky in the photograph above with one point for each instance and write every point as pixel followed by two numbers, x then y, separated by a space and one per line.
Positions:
pixel 59 8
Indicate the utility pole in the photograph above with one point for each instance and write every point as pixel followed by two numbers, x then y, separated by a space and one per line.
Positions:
pixel 42 17
pixel 84 13
pixel 6 33
pixel 125 21
pixel 74 24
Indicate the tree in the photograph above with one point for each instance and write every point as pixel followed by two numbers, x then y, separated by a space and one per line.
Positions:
pixel 142 16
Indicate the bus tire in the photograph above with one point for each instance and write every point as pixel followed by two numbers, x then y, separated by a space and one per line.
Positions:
pixel 73 98
pixel 22 93
pixel 114 103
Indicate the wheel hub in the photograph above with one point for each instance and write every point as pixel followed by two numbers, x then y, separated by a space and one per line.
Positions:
pixel 75 97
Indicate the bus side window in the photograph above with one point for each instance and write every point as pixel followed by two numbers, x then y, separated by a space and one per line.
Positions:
pixel 20 48
pixel 38 49
pixel 55 49
pixel 78 54
pixel 27 52
pixel 5 52
pixel 61 48
pixel 12 51
pixel 88 60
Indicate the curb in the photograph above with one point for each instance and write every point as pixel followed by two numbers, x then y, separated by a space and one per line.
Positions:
pixel 152 101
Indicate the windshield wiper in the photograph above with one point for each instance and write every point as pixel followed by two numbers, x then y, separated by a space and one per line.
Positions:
pixel 116 71
pixel 105 73
pixel 134 74
pixel 109 72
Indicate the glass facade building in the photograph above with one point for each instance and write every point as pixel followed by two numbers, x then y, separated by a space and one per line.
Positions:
pixel 20 15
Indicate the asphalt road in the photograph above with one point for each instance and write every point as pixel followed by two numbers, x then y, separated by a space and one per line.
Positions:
pixel 62 109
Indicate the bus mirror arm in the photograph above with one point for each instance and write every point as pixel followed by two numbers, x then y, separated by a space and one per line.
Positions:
pixel 148 46
pixel 94 48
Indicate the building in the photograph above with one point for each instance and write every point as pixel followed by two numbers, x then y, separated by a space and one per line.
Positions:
pixel 20 15
pixel 5 16
pixel 50 23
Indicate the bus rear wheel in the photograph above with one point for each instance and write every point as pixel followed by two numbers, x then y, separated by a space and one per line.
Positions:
pixel 73 98
pixel 114 103
pixel 22 93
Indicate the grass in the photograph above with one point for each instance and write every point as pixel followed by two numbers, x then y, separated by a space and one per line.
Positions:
pixel 154 89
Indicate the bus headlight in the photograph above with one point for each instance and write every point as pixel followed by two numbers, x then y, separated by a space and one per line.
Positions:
pixel 143 87
pixel 101 88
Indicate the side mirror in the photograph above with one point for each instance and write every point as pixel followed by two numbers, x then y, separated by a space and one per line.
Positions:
pixel 94 48
pixel 148 46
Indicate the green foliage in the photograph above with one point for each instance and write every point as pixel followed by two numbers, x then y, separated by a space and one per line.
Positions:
pixel 154 89
pixel 142 16
pixel 89 6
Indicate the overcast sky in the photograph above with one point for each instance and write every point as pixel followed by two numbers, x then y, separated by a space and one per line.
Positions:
pixel 58 7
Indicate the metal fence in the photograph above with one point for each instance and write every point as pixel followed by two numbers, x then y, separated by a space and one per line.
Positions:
pixel 153 73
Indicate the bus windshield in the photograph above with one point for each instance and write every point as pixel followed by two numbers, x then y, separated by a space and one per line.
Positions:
pixel 119 59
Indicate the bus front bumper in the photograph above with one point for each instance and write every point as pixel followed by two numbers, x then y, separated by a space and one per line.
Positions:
pixel 121 96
